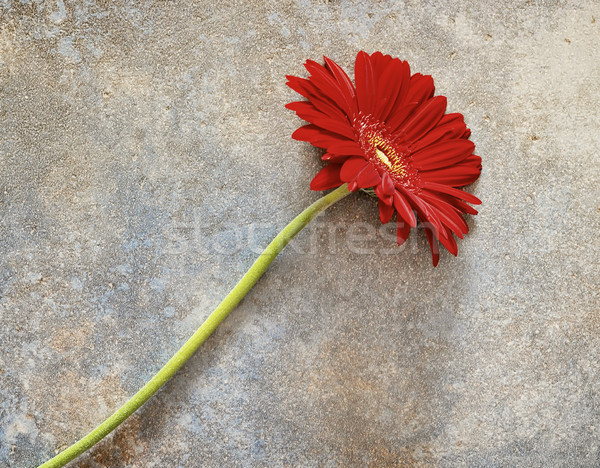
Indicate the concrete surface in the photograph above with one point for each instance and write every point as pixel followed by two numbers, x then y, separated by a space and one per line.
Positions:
pixel 145 154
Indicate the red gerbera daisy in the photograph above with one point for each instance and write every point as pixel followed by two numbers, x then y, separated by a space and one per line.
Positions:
pixel 390 133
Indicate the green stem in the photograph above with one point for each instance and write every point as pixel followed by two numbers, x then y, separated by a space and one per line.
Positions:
pixel 209 325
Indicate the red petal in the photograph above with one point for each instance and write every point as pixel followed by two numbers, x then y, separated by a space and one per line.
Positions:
pixel 402 94
pixel 447 214
pixel 385 212
pixel 456 176
pixel 348 148
pixel 433 245
pixel 380 62
pixel 425 211
pixel 451 191
pixel 404 209
pixel 346 86
pixel 452 118
pixel 450 211
pixel 387 199
pixel 473 160
pixel 298 85
pixel 442 154
pixel 305 110
pixel 352 168
pixel 365 82
pixel 395 81
pixel 387 184
pixel 421 88
pixel 403 231
pixel 400 114
pixel 334 158
pixel 385 190
pixel 317 136
pixel 449 242
pixel 326 178
pixel 326 83
pixel 316 97
pixel 368 177
pixel 448 131
pixel 425 117
pixel 459 204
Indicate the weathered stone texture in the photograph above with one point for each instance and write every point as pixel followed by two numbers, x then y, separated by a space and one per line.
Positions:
pixel 145 155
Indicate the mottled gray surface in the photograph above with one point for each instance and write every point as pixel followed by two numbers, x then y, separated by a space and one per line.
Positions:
pixel 145 155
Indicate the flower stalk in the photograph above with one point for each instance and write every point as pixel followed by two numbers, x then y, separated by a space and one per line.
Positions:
pixel 210 324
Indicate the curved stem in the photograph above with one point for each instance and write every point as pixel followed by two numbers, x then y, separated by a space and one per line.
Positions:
pixel 209 325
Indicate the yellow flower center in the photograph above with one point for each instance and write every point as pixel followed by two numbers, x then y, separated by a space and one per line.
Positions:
pixel 387 154
pixel 383 157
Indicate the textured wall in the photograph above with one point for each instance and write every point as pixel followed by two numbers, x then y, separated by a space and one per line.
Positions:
pixel 145 155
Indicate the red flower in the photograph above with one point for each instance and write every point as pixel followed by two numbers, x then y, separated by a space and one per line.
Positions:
pixel 391 133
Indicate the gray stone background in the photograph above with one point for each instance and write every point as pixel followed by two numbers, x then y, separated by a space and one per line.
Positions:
pixel 145 154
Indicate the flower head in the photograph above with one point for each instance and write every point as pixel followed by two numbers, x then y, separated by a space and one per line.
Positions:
pixel 388 132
